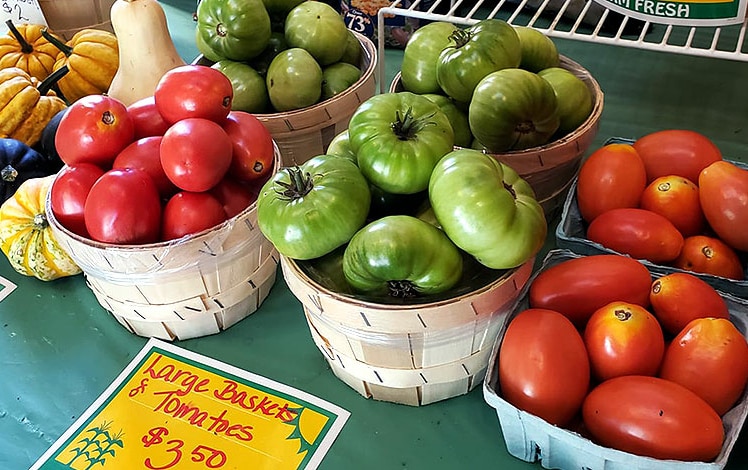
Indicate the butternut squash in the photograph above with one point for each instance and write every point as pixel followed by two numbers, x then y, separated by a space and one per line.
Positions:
pixel 146 49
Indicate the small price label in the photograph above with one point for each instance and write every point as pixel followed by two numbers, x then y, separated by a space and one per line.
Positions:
pixel 21 11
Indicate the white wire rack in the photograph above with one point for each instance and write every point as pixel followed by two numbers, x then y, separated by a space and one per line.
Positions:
pixel 582 20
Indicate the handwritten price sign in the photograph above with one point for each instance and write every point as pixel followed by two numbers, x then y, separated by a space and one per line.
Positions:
pixel 174 409
pixel 21 11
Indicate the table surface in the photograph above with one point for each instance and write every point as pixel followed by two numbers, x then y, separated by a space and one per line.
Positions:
pixel 59 349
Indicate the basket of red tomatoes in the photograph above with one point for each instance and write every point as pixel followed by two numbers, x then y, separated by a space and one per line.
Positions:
pixel 605 364
pixel 156 204
pixel 669 199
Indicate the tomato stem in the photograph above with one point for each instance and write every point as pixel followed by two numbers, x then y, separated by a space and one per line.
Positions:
pixel 300 185
pixel 402 289
pixel 460 37
pixel 406 126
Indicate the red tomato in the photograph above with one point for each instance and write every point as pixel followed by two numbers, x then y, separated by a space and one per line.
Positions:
pixel 577 287
pixel 710 358
pixel 69 192
pixel 653 417
pixel 253 151
pixel 678 298
pixel 639 233
pixel 676 151
pixel 144 154
pixel 724 198
pixel 543 366
pixel 194 91
pixel 623 339
pixel 709 255
pixel 187 213
pixel 94 130
pixel 677 199
pixel 124 208
pixel 234 196
pixel 146 118
pixel 612 177
pixel 195 154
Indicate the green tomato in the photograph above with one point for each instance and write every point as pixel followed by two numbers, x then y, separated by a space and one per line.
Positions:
pixel 398 138
pixel 538 50
pixel 418 68
pixel 486 209
pixel 250 91
pixel 513 109
pixel 294 80
pixel 318 28
pixel 340 146
pixel 573 96
pixel 352 54
pixel 338 77
pixel 276 45
pixel 309 210
pixel 280 7
pixel 457 117
pixel 401 256
pixel 485 47
pixel 232 29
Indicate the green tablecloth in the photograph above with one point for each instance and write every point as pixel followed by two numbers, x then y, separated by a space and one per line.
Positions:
pixel 59 349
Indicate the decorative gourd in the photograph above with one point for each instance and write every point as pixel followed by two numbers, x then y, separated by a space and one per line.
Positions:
pixel 146 50
pixel 18 163
pixel 25 235
pixel 26 108
pixel 26 48
pixel 92 58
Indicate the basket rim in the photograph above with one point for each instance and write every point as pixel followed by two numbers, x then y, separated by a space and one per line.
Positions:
pixel 591 122
pixel 225 225
pixel 293 268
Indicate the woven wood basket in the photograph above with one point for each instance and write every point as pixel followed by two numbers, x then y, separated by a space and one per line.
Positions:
pixel 198 285
pixel 67 17
pixel 408 354
pixel 305 133
pixel 550 168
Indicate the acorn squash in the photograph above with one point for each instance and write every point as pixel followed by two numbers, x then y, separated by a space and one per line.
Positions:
pixel 25 108
pixel 26 237
pixel 92 59
pixel 26 48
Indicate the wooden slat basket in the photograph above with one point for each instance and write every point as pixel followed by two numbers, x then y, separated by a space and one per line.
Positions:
pixel 67 17
pixel 195 286
pixel 550 168
pixel 408 354
pixel 304 133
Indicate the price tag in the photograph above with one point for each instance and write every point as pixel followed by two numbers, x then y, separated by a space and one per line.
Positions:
pixel 21 11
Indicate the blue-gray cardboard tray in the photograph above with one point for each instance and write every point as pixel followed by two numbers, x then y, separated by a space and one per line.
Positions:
pixel 571 235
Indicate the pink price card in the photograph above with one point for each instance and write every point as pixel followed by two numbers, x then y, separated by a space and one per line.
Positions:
pixel 174 409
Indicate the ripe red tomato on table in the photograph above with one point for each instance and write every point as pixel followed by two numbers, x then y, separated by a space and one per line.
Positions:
pixel 613 176
pixel 145 154
pixel 679 298
pixel 94 130
pixel 577 287
pixel 710 358
pixel 653 417
pixel 677 199
pixel 123 207
pixel 147 120
pixel 194 91
pixel 543 365
pixel 639 233
pixel 681 152
pixel 709 255
pixel 195 154
pixel 69 192
pixel 623 339
pixel 186 213
pixel 724 197
pixel 253 153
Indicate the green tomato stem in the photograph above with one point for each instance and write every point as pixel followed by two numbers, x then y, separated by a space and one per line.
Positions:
pixel 300 185
pixel 460 37
pixel 402 289
pixel 406 126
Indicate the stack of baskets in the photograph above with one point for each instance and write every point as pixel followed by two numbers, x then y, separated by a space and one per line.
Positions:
pixel 551 168
pixel 67 17
pixel 197 285
pixel 409 354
